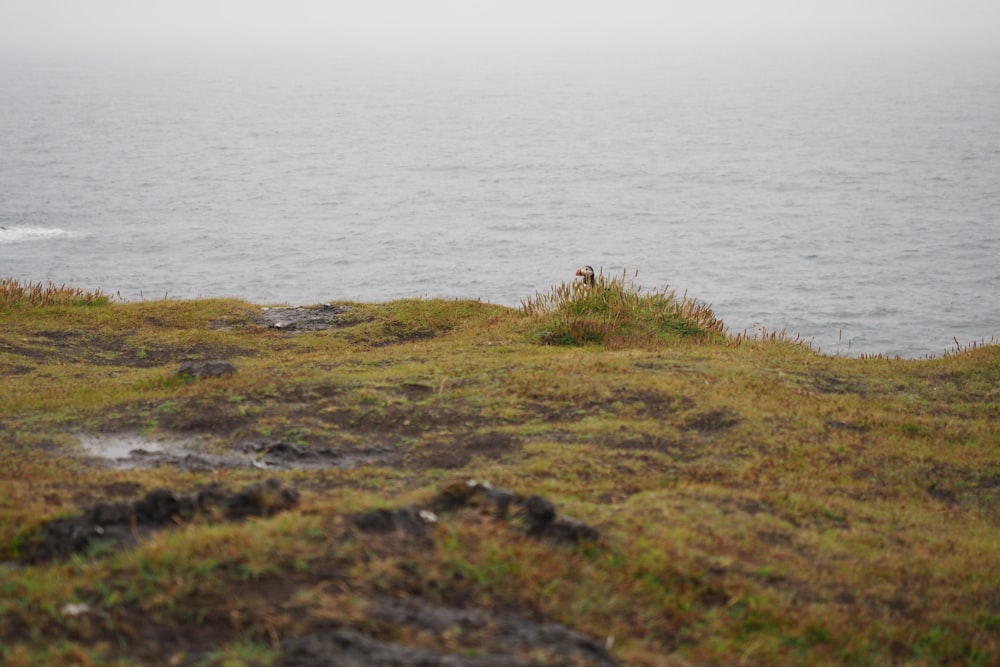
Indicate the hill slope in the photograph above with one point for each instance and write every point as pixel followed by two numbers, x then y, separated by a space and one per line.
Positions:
pixel 649 489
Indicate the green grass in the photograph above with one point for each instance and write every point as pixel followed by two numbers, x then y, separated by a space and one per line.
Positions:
pixel 759 503
pixel 616 313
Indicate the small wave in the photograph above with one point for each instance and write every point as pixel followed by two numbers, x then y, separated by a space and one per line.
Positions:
pixel 16 234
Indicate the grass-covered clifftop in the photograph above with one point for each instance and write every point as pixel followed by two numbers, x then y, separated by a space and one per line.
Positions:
pixel 747 501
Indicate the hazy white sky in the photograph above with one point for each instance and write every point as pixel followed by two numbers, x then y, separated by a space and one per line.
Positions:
pixel 386 25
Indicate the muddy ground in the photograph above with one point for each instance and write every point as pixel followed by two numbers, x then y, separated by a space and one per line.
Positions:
pixel 131 451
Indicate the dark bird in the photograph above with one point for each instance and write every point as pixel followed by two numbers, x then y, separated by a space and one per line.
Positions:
pixel 588 275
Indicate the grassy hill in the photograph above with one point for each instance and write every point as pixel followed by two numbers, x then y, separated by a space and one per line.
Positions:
pixel 649 488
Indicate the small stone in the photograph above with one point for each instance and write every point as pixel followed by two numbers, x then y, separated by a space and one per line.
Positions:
pixel 73 609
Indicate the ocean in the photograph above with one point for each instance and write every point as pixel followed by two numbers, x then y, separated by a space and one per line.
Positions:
pixel 850 199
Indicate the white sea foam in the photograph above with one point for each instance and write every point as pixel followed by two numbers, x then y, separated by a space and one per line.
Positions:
pixel 17 234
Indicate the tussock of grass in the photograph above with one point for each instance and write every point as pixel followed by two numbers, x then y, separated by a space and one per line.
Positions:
pixel 616 313
pixel 14 293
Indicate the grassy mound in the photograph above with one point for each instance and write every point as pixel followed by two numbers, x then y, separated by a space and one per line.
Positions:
pixel 616 313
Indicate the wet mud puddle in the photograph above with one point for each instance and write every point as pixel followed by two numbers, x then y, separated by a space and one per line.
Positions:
pixel 131 451
pixel 127 450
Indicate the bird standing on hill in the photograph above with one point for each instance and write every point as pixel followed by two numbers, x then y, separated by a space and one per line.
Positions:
pixel 588 275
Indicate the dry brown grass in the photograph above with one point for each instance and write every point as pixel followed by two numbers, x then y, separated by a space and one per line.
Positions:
pixel 14 293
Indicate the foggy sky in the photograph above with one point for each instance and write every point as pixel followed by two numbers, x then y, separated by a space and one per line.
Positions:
pixel 75 26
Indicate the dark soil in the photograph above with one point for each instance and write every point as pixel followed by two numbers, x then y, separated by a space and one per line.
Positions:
pixel 713 420
pixel 454 455
pixel 125 523
pixel 504 639
pixel 104 349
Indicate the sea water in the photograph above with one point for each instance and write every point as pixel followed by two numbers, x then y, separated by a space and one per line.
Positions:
pixel 853 200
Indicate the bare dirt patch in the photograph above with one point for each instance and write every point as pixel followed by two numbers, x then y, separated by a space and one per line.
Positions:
pixel 125 349
pixel 679 450
pixel 415 390
pixel 457 453
pixel 829 383
pixel 712 420
pixel 500 638
pixel 409 631
pixel 642 403
pixel 298 319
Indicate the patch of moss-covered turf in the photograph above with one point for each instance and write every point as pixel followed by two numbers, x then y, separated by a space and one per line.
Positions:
pixel 603 476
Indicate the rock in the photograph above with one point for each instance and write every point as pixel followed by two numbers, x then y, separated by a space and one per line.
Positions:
pixel 75 609
pixel 300 318
pixel 197 370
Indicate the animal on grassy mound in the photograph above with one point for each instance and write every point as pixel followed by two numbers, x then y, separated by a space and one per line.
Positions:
pixel 588 275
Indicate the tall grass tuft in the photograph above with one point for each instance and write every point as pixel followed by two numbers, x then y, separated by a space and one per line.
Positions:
pixel 617 313
pixel 16 293
pixel 764 335
pixel 970 347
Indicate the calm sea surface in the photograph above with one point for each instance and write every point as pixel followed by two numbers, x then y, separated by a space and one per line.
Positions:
pixel 852 200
